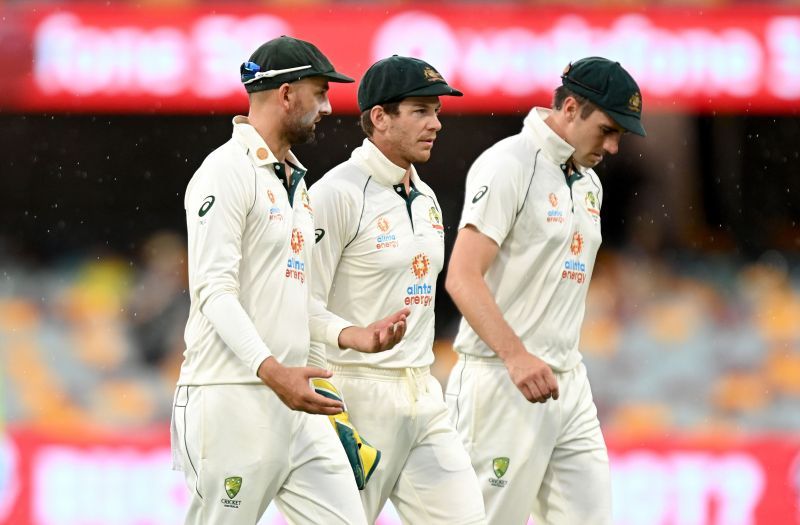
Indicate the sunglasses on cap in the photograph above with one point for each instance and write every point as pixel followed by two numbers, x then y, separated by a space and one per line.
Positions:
pixel 581 84
pixel 251 72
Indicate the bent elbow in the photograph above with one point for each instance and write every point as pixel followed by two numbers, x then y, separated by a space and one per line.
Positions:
pixel 452 283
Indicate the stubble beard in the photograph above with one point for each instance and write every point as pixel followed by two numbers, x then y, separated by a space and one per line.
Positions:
pixel 300 130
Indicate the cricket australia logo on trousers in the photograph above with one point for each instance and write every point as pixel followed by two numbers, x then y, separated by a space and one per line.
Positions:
pixel 499 466
pixel 232 485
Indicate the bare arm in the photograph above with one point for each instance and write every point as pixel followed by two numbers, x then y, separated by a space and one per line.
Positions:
pixel 472 255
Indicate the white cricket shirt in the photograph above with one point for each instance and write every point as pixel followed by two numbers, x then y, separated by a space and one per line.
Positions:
pixel 378 251
pixel 548 232
pixel 251 236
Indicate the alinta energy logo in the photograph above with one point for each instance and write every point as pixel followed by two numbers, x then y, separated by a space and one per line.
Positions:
pixel 274 211
pixel 295 267
pixel 419 293
pixel 576 246
pixel 384 239
pixel 574 269
pixel 232 487
pixel 554 215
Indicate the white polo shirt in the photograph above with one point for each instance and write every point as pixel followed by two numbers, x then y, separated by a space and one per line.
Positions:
pixel 251 236
pixel 548 232
pixel 378 251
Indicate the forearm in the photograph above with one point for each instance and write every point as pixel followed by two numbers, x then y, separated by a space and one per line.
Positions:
pixel 476 303
pixel 237 330
pixel 325 326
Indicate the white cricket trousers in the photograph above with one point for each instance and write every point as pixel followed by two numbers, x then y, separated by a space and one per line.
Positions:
pixel 424 468
pixel 240 447
pixel 548 460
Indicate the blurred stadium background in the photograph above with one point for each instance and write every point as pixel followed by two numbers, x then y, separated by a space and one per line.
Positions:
pixel 692 332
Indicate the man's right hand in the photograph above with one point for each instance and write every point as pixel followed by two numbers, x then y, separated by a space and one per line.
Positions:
pixel 292 386
pixel 532 376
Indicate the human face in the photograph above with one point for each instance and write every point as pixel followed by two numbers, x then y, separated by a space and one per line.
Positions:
pixel 411 132
pixel 593 137
pixel 309 104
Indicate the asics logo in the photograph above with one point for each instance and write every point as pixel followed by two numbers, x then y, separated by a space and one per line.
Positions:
pixel 481 192
pixel 207 204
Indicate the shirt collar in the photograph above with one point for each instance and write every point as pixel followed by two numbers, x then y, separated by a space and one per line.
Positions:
pixel 257 149
pixel 376 164
pixel 553 146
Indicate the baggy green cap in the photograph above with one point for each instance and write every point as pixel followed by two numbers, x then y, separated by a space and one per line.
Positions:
pixel 395 78
pixel 610 87
pixel 286 59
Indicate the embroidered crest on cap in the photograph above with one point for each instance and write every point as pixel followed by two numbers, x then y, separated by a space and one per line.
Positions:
pixel 635 103
pixel 431 75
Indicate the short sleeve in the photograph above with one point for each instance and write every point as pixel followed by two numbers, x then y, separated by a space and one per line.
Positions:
pixel 491 199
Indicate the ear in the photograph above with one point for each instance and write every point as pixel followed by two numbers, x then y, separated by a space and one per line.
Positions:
pixel 571 108
pixel 379 117
pixel 285 95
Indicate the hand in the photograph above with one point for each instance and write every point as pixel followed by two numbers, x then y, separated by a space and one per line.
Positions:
pixel 532 376
pixel 377 337
pixel 291 384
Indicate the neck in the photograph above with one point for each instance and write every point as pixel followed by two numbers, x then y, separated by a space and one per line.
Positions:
pixel 407 179
pixel 555 121
pixel 393 157
pixel 276 143
pixel 269 129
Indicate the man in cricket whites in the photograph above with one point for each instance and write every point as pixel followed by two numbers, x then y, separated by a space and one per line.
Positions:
pixel 380 247
pixel 247 426
pixel 519 273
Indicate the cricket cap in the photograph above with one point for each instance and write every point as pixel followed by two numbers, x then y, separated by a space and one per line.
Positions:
pixel 286 59
pixel 395 78
pixel 610 87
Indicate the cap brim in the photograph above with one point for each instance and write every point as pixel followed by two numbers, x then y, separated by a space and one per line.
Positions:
pixel 434 90
pixel 333 76
pixel 630 123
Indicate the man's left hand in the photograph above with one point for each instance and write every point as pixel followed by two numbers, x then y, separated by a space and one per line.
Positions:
pixel 378 336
